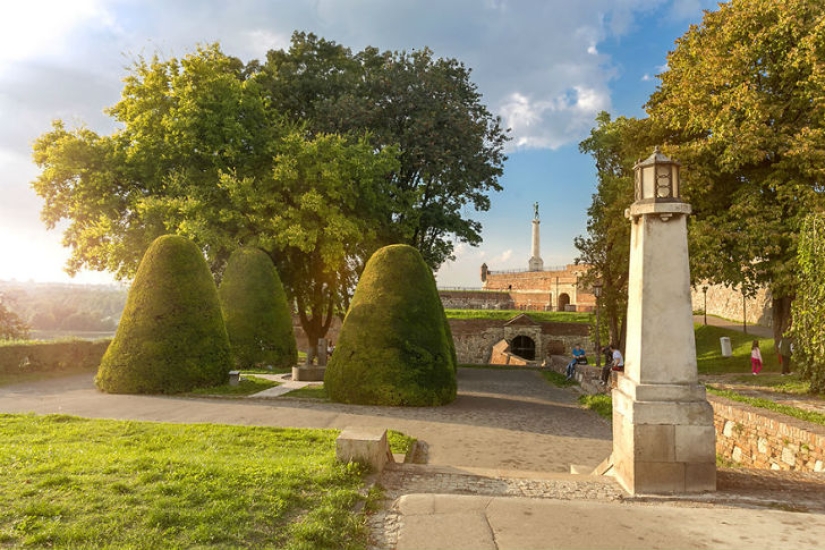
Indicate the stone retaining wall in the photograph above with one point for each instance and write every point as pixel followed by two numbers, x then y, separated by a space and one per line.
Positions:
pixel 759 438
pixel 746 436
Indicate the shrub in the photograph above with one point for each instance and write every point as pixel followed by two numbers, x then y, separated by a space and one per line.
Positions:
pixel 395 346
pixel 808 310
pixel 256 312
pixel 51 356
pixel 171 337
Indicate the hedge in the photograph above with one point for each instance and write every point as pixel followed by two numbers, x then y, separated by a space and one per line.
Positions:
pixel 61 355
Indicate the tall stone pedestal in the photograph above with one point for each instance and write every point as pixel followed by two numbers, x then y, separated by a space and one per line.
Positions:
pixel 663 435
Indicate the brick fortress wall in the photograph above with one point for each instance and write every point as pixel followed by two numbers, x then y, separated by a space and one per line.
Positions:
pixel 758 438
pixel 555 289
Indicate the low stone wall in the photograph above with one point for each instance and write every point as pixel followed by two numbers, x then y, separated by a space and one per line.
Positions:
pixel 759 438
pixel 589 377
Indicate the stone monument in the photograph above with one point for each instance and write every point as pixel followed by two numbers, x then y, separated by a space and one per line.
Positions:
pixel 663 434
pixel 535 263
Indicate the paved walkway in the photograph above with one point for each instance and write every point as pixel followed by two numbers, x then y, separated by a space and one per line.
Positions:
pixel 496 473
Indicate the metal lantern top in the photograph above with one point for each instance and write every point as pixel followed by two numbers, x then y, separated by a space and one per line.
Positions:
pixel 597 288
pixel 657 178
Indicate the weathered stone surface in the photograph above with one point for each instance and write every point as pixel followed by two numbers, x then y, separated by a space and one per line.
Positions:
pixel 364 445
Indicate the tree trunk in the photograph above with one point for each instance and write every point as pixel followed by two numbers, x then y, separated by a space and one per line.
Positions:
pixel 781 308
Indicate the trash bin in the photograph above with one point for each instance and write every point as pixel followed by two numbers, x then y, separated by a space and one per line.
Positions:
pixel 726 349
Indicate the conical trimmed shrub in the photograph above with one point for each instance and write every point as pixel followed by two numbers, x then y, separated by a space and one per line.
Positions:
pixel 395 346
pixel 171 337
pixel 256 312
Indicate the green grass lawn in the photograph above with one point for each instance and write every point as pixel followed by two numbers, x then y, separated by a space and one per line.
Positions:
pixel 709 352
pixel 507 314
pixel 247 385
pixel 67 482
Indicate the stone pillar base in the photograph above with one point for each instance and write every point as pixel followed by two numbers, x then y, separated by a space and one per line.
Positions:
pixel 664 440
pixel 308 373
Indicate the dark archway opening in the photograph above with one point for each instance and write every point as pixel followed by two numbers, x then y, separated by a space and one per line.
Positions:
pixel 564 301
pixel 523 346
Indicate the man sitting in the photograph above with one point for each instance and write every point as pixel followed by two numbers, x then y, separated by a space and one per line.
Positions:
pixel 579 357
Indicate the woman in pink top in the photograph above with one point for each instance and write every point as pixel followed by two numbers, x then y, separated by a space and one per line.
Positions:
pixel 756 358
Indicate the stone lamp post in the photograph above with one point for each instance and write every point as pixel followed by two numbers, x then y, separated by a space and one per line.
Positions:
pixel 663 435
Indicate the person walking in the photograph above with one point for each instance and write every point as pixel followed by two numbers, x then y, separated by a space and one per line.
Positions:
pixel 756 358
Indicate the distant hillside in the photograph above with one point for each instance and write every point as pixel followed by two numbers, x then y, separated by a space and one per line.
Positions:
pixel 65 307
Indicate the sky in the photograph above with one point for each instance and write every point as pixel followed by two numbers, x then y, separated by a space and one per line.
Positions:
pixel 547 67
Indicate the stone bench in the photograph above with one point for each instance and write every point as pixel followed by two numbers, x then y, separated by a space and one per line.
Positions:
pixel 368 446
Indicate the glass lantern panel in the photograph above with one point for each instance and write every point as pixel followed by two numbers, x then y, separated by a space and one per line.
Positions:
pixel 663 180
pixel 648 182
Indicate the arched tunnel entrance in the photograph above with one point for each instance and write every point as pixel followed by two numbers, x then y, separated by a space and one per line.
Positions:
pixel 523 346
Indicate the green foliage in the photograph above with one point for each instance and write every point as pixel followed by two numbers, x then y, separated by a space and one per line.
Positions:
pixel 75 483
pixel 809 307
pixel 316 156
pixel 395 346
pixel 771 405
pixel 507 314
pixel 743 104
pixel 709 358
pixel 12 327
pixel 61 307
pixel 557 379
pixel 400 443
pixel 615 145
pixel 53 356
pixel 171 337
pixel 318 214
pixel 247 385
pixel 451 146
pixel 601 403
pixel 256 312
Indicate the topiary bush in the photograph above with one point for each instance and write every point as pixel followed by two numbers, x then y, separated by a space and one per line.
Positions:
pixel 395 346
pixel 171 337
pixel 256 312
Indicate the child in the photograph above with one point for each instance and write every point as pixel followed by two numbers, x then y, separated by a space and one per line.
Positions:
pixel 756 358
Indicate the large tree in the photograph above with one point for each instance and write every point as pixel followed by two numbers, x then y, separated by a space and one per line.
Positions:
pixel 743 104
pixel 202 154
pixel 316 156
pixel 451 146
pixel 615 146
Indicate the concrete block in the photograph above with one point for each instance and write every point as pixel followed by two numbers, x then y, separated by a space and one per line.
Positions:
pixel 700 478
pixel 695 444
pixel 234 377
pixel 654 442
pixel 659 478
pixel 308 373
pixel 367 446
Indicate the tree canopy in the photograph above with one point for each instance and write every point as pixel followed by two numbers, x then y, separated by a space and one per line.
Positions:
pixel 615 146
pixel 317 156
pixel 743 106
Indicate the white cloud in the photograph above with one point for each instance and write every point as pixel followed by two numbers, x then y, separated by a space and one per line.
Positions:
pixel 555 121
pixel 504 256
pixel 39 27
